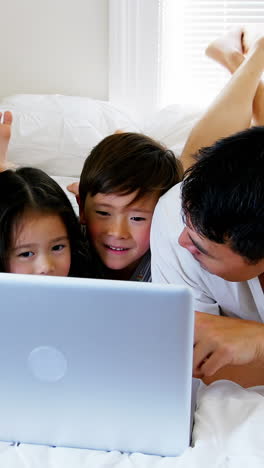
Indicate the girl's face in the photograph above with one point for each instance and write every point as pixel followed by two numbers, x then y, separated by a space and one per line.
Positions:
pixel 40 246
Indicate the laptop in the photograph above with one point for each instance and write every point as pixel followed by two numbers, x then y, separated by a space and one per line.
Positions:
pixel 95 364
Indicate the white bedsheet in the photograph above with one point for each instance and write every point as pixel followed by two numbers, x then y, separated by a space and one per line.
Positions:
pixel 228 433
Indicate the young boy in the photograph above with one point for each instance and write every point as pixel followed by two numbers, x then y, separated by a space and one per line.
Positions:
pixel 121 182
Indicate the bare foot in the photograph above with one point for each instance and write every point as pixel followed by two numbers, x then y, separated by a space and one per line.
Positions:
pixel 74 188
pixel 5 133
pixel 253 41
pixel 228 49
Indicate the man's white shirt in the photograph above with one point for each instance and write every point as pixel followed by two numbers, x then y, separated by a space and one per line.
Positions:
pixel 171 263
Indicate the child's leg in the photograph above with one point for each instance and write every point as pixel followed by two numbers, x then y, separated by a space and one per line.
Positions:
pixel 229 50
pixel 251 35
pixel 232 109
pixel 5 133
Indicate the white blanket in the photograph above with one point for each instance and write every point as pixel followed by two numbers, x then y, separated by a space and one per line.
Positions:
pixel 228 433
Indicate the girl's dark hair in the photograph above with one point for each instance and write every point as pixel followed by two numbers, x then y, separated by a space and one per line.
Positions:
pixel 32 189
pixel 129 162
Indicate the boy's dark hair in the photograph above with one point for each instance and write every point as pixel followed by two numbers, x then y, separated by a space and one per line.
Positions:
pixel 223 193
pixel 29 189
pixel 129 162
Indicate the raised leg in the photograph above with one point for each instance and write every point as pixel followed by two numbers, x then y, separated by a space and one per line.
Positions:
pixel 232 110
pixel 229 51
pixel 252 34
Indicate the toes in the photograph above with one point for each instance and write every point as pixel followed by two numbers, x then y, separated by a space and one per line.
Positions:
pixel 8 118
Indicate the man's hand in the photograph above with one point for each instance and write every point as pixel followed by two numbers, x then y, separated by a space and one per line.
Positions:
pixel 220 341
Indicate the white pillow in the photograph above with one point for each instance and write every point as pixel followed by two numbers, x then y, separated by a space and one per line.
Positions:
pixel 56 133
pixel 172 125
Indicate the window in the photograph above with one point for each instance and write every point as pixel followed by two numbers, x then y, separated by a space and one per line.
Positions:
pixel 188 26
pixel 157 50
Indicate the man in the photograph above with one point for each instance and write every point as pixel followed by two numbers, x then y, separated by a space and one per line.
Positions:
pixel 208 233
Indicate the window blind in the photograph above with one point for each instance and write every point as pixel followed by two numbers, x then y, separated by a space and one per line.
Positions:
pixel 187 27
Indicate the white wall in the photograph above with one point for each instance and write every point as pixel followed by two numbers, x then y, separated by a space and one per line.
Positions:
pixel 134 56
pixel 54 46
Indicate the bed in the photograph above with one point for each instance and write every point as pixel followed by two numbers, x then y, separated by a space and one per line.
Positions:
pixel 56 133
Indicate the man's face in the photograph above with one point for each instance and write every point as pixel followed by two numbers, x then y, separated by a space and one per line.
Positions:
pixel 219 259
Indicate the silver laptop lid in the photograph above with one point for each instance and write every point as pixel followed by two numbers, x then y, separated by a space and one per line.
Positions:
pixel 95 363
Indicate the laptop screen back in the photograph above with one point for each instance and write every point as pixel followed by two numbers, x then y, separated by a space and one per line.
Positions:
pixel 95 364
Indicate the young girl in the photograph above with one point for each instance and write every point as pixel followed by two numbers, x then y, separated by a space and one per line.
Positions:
pixel 39 231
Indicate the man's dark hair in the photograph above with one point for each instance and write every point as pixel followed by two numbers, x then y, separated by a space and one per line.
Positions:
pixel 223 193
pixel 128 162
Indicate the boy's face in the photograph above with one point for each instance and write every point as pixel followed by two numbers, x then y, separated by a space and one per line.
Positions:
pixel 119 227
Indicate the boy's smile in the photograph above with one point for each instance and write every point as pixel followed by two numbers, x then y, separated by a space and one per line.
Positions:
pixel 119 227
